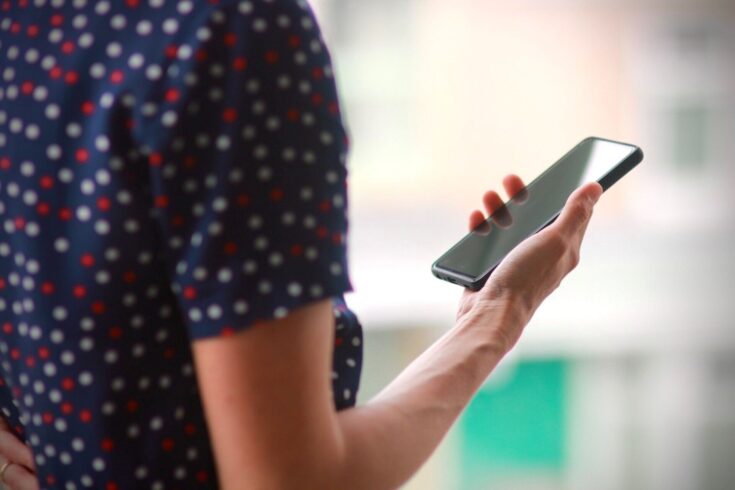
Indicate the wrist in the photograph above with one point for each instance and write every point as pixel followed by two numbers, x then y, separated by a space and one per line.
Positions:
pixel 498 318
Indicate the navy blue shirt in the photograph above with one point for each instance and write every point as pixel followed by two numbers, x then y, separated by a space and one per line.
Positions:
pixel 169 171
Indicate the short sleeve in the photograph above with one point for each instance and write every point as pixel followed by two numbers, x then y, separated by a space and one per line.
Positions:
pixel 247 168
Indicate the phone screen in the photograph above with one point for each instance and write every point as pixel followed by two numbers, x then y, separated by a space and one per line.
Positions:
pixel 475 256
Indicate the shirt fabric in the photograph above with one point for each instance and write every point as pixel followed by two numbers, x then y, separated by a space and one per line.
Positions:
pixel 169 171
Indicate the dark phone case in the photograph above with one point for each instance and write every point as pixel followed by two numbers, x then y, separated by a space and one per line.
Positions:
pixel 606 182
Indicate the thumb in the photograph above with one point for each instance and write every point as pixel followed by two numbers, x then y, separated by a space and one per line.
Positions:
pixel 578 208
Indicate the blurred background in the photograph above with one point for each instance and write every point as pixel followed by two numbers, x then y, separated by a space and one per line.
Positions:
pixel 625 378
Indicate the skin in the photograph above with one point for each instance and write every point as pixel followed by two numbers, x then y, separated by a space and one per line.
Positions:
pixel 277 428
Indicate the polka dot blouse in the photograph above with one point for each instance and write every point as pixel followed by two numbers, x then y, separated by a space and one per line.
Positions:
pixel 169 171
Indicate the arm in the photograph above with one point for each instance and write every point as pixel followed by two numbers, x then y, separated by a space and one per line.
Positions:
pixel 266 391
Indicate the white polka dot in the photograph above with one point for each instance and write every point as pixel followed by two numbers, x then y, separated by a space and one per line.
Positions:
pixel 144 27
pixel 153 72
pixel 170 26
pixel 184 7
pixel 136 60
pixel 114 49
pixel 294 289
pixel 52 111
pixel 214 312
pixel 118 22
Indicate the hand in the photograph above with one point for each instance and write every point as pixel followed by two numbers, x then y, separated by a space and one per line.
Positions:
pixel 20 474
pixel 532 270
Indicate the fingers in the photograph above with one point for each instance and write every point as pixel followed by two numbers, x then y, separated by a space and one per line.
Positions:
pixel 512 185
pixel 492 202
pixel 17 477
pixel 14 449
pixel 476 218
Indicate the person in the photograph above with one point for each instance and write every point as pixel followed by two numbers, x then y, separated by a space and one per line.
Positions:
pixel 173 263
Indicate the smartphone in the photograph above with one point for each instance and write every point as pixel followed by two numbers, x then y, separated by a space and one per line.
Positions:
pixel 470 262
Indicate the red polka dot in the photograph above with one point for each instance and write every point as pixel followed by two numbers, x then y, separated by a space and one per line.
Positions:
pixel 80 291
pixel 67 384
pixel 82 155
pixel 227 331
pixel 190 429
pixel 20 222
pixel 98 307
pixel 155 159
pixel 132 406
pixel 177 220
pixel 115 332
pixel 117 76
pixel 322 231
pixel 276 194
pixel 292 115
pixel 111 485
pixel 243 200
pixel 85 416
pixel 132 3
pixel 129 276
pixel 229 114
pixel 103 203
pixel 43 352
pixel 202 476
pixel 230 39
pixel 4 163
pixel 57 20
pixel 87 260
pixel 190 292
pixel 161 201
pixel 32 30
pixel 43 208
pixel 55 72
pixel 47 287
pixel 26 87
pixel 47 182
pixel 297 250
pixel 317 73
pixel 167 444
pixel 71 77
pixel 172 95
pixel 294 41
pixel 317 99
pixel 230 248
pixel 240 63
pixel 201 54
pixel 107 444
pixel 171 51
pixel 67 408
pixel 65 214
pixel 87 107
pixel 67 47
pixel 271 56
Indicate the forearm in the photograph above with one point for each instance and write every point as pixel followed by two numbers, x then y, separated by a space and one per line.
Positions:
pixel 389 438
